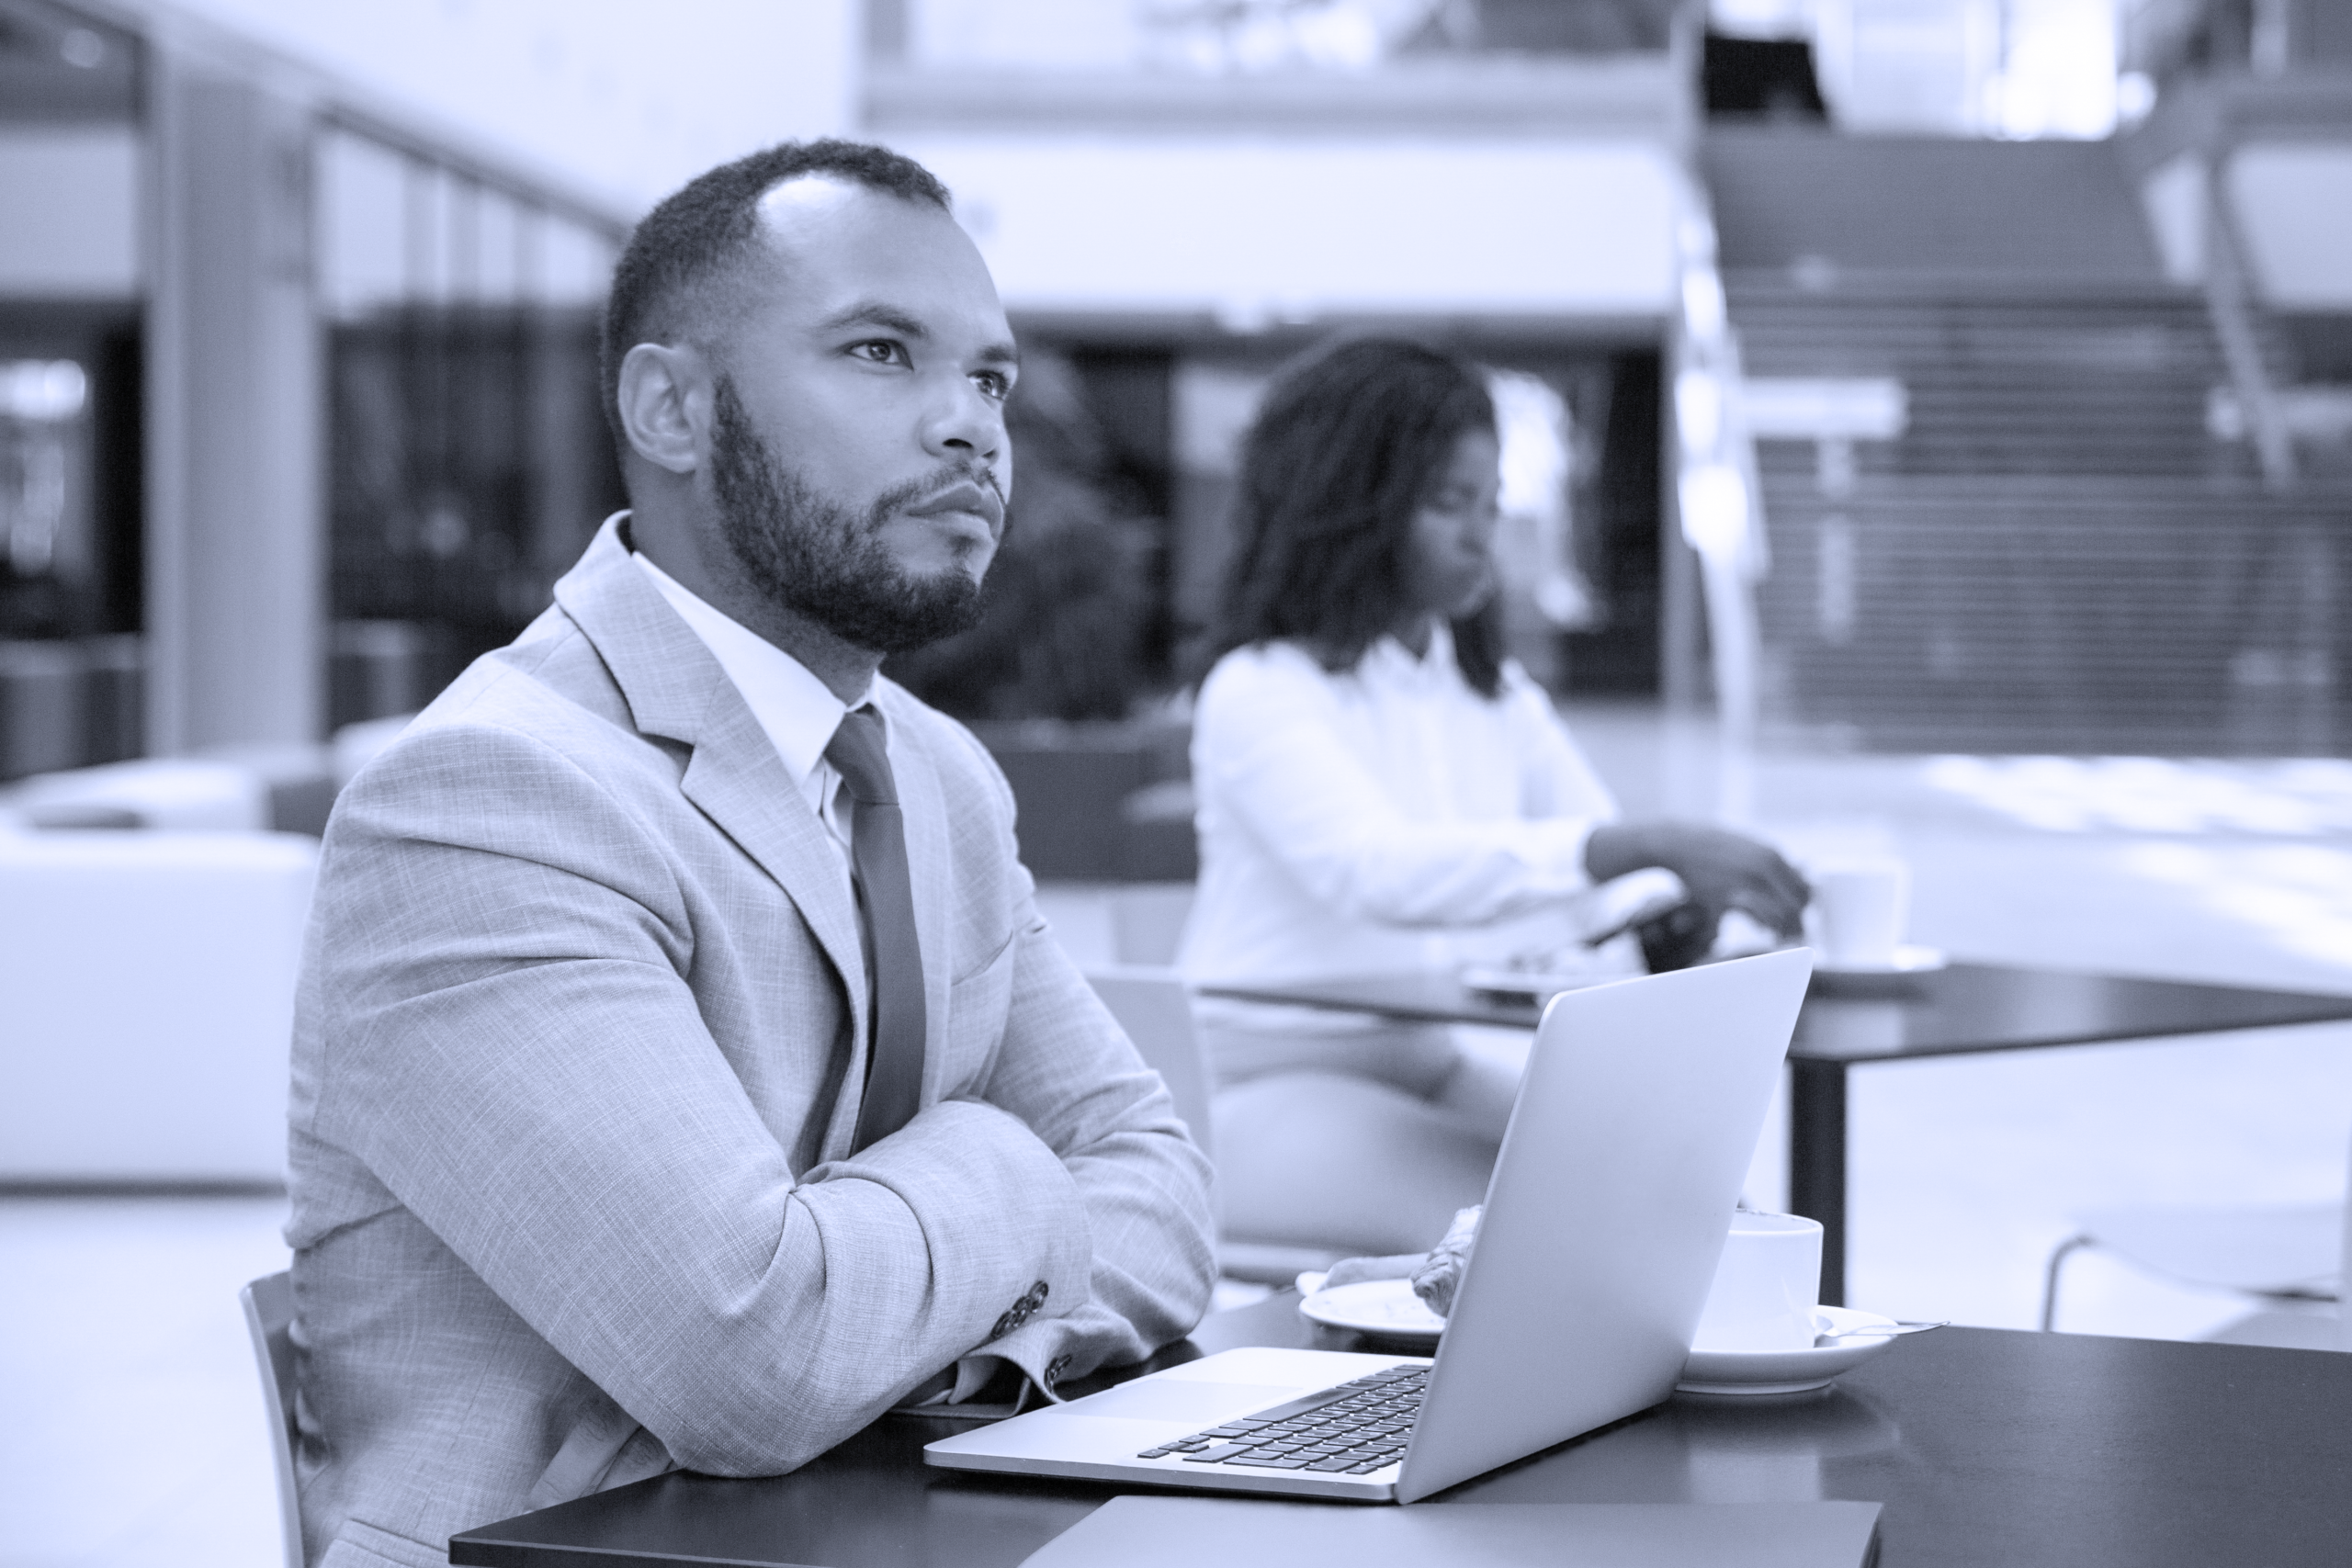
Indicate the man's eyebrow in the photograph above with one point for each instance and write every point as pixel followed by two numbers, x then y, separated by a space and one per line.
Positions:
pixel 873 313
pixel 878 313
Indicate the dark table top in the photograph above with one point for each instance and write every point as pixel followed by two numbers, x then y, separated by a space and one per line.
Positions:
pixel 1985 1446
pixel 1963 1008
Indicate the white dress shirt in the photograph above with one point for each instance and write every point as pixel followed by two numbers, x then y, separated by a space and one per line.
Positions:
pixel 1388 817
pixel 798 712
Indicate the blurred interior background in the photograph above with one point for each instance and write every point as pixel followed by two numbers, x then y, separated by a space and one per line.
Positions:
pixel 1927 428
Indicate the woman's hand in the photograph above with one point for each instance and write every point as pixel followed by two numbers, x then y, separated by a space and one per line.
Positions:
pixel 1723 870
pixel 1356 1270
pixel 1434 1273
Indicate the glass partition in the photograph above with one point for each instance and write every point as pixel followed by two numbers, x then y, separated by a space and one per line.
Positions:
pixel 70 145
pixel 468 459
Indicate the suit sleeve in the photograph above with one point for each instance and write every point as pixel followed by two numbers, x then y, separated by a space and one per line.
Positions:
pixel 1066 1070
pixel 1069 1071
pixel 515 1053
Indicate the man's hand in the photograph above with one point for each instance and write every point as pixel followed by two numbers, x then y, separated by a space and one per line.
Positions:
pixel 1724 871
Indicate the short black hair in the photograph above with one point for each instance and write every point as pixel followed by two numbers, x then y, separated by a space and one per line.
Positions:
pixel 705 227
pixel 1349 442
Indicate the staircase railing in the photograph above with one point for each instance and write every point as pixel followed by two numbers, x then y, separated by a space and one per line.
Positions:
pixel 2229 299
pixel 1717 493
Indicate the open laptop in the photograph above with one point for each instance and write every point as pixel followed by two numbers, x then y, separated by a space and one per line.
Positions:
pixel 1605 1216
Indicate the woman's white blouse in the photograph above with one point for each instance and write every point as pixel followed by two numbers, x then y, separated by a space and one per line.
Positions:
pixel 1382 818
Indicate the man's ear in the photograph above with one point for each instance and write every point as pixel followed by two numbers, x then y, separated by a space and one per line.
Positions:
pixel 665 399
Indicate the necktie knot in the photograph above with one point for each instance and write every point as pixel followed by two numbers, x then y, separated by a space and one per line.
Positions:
pixel 858 754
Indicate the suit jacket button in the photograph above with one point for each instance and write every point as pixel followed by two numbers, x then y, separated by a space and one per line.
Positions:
pixel 1055 1369
pixel 1004 1326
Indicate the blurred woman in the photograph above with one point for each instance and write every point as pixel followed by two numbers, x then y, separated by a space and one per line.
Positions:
pixel 1381 789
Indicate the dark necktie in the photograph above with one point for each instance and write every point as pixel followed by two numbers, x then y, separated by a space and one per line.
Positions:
pixel 886 904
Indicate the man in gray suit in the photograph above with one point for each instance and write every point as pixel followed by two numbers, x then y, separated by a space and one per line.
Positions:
pixel 683 1074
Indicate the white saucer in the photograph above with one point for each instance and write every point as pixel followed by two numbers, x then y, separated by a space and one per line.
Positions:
pixel 1535 985
pixel 1385 1308
pixel 1388 1310
pixel 1909 959
pixel 1788 1371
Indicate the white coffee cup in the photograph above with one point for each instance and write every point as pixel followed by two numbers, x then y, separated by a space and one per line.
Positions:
pixel 1765 1286
pixel 1858 907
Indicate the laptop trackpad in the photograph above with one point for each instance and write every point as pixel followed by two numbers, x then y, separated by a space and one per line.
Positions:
pixel 1168 1399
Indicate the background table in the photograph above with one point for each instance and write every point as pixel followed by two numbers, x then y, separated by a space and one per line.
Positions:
pixel 1960 1011
pixel 1987 1447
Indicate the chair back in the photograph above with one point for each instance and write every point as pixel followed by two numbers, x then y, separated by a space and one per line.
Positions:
pixel 1153 1007
pixel 147 987
pixel 269 1320
pixel 171 794
pixel 1147 920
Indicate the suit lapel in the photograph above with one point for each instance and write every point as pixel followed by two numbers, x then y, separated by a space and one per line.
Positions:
pixel 676 690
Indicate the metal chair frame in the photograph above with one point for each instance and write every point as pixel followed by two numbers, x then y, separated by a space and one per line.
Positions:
pixel 269 1320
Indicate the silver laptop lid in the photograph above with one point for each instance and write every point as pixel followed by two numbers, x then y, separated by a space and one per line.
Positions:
pixel 1606 1212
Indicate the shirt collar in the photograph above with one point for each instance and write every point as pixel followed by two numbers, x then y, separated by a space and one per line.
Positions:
pixel 1389 662
pixel 798 712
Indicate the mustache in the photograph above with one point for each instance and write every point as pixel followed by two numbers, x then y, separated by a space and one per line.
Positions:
pixel 946 476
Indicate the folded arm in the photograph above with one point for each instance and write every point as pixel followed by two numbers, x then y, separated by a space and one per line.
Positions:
pixel 519 1056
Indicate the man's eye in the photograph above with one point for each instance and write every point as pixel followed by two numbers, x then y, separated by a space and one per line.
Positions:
pixel 881 351
pixel 994 384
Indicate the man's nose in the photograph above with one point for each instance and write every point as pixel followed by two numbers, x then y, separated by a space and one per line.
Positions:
pixel 965 424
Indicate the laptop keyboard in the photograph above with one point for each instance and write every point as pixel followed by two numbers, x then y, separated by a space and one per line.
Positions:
pixel 1352 1429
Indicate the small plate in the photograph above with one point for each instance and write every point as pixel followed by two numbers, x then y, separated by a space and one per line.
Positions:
pixel 1531 985
pixel 1386 1309
pixel 1892 979
pixel 1909 959
pixel 1788 1372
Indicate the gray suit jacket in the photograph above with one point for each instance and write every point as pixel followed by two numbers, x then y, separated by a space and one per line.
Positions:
pixel 577 1062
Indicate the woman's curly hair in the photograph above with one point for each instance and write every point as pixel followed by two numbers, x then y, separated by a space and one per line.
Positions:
pixel 1349 442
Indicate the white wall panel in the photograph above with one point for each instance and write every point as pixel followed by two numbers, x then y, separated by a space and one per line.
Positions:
pixel 69 212
pixel 2174 196
pixel 1260 232
pixel 2295 205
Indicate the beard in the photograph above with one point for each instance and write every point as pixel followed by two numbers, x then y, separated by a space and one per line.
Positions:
pixel 813 555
